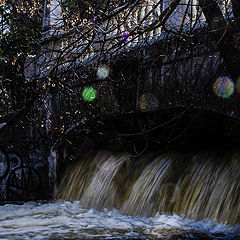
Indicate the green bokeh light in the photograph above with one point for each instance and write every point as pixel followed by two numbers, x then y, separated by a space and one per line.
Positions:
pixel 89 94
pixel 148 102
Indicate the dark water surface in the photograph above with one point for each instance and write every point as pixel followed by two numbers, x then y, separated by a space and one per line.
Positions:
pixel 68 220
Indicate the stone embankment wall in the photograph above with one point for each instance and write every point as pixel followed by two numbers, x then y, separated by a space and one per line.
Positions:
pixel 23 161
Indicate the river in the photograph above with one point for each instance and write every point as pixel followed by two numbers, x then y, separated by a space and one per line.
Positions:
pixel 68 220
pixel 175 195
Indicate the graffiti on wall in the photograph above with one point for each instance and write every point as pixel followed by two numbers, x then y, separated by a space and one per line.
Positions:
pixel 18 182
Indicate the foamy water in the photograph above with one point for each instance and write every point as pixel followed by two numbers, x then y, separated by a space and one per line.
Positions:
pixel 67 220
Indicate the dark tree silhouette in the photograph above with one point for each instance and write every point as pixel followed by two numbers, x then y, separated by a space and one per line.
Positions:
pixel 141 46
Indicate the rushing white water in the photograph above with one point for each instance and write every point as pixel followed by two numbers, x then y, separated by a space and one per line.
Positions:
pixel 176 196
pixel 68 220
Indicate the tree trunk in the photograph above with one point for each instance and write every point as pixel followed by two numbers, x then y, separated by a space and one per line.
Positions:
pixel 222 34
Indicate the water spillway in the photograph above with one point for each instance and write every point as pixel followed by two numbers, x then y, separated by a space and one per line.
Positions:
pixel 197 185
pixel 175 195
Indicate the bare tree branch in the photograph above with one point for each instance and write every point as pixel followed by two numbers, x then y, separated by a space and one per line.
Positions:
pixel 220 31
pixel 236 11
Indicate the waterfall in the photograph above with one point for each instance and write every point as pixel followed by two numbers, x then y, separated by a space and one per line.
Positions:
pixel 198 185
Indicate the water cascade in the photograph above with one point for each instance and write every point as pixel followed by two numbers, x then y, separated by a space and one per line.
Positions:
pixel 197 185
